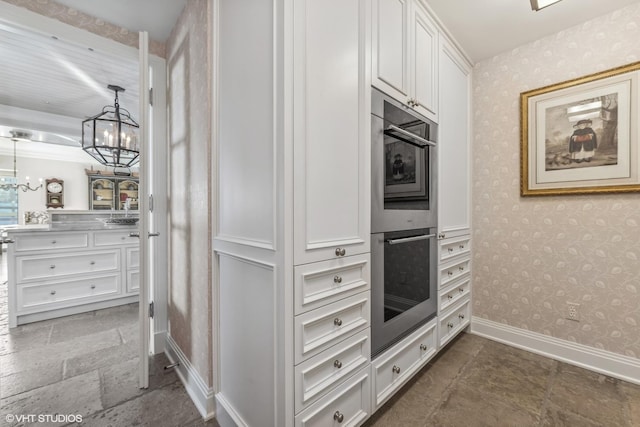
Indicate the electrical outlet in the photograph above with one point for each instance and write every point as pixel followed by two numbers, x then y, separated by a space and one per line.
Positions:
pixel 573 311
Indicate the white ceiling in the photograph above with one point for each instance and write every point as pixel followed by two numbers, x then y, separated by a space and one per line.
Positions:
pixel 485 28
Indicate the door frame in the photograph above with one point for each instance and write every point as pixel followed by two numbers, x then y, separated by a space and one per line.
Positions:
pixel 33 22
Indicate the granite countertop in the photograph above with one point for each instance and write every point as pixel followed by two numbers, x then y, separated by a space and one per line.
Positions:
pixel 77 226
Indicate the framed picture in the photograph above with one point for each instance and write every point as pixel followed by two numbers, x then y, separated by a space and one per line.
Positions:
pixel 581 136
pixel 405 167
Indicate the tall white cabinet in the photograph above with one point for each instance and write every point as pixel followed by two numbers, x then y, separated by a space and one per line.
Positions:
pixel 292 88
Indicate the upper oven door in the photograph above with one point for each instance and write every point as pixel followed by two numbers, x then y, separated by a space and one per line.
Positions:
pixel 403 181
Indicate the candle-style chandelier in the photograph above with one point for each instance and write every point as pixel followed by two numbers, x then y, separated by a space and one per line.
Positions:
pixel 15 137
pixel 112 137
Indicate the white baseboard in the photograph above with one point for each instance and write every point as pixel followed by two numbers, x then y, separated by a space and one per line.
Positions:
pixel 201 395
pixel 226 415
pixel 604 362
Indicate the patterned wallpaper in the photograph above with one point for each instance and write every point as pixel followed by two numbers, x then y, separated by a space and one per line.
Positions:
pixel 532 255
pixel 90 23
pixel 188 53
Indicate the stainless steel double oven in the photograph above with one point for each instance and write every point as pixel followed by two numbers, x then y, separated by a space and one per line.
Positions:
pixel 404 220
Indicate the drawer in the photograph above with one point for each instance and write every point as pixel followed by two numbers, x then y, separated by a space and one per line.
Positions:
pixel 325 282
pixel 110 238
pixel 397 365
pixel 133 282
pixel 50 241
pixel 451 248
pixel 52 266
pixel 133 258
pixel 319 329
pixel 454 293
pixel 451 271
pixel 318 375
pixel 39 297
pixel 347 405
pixel 451 324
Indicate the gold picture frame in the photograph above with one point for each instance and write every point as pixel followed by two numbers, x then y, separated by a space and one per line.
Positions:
pixel 581 136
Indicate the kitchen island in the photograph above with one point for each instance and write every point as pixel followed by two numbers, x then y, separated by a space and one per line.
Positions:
pixel 78 263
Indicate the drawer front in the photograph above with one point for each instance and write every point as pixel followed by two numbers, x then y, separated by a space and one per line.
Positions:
pixel 119 237
pixel 133 258
pixel 325 282
pixel 319 329
pixel 347 405
pixel 133 282
pixel 452 271
pixel 52 266
pixel 454 293
pixel 398 364
pixel 46 240
pixel 451 248
pixel 33 298
pixel 452 323
pixel 316 376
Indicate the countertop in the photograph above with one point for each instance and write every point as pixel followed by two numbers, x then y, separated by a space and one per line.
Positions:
pixel 78 226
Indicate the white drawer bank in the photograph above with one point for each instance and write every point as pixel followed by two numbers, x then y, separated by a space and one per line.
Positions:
pixel 58 273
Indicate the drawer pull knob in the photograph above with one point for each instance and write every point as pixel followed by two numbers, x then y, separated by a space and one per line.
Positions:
pixel 461 268
pixel 461 316
pixel 337 364
pixel 53 292
pixel 449 273
pixel 450 249
pixel 92 263
pixel 93 286
pixel 341 252
pixel 337 279
pixel 441 236
pixel 449 296
pixel 337 321
pixel 123 238
pixel 53 242
pixel 52 266
pixel 461 246
pixel 461 290
pixel 396 369
pixel 338 417
pixel 423 347
pixel 450 325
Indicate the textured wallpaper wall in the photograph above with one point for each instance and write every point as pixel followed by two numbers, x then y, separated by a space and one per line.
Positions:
pixel 188 53
pixel 90 23
pixel 532 255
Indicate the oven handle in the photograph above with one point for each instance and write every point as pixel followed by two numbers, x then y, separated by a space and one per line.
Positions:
pixel 409 239
pixel 423 142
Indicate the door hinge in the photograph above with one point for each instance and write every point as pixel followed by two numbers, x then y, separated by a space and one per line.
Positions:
pixel 151 96
pixel 151 310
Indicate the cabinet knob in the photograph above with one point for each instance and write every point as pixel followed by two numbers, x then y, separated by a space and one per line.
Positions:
pixel 449 273
pixel 423 347
pixel 341 252
pixel 461 290
pixel 450 325
pixel 441 236
pixel 338 417
pixel 461 268
pixel 93 286
pixel 449 296
pixel 337 364
pixel 396 369
pixel 92 263
pixel 461 316
pixel 337 279
pixel 53 242
pixel 337 321
pixel 450 250
pixel 53 292
pixel 461 246
pixel 52 266
pixel 123 238
pixel 416 104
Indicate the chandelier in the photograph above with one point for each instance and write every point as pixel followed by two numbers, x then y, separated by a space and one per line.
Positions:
pixel 15 136
pixel 112 137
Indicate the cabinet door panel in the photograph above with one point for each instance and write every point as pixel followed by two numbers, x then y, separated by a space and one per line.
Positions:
pixel 390 57
pixel 424 67
pixel 331 129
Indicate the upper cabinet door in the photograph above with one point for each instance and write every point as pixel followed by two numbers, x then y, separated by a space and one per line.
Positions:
pixel 390 54
pixel 424 62
pixel 331 129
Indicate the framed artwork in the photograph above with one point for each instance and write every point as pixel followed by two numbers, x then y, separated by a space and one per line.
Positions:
pixel 405 167
pixel 581 136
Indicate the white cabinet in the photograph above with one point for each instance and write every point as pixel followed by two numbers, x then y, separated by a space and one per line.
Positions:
pixel 331 125
pixel 54 273
pixel 405 54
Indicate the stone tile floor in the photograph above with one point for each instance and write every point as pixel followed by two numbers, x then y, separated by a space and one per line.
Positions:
pixel 478 382
pixel 87 364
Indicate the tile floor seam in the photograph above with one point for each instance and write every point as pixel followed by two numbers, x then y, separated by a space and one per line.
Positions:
pixel 50 334
pixel 627 403
pixel 553 375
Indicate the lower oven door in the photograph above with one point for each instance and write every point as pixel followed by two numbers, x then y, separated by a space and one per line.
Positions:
pixel 403 284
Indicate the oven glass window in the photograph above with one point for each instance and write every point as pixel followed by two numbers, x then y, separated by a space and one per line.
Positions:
pixel 406 271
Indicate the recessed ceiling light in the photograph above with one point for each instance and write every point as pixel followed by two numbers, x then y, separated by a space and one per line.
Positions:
pixel 540 4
